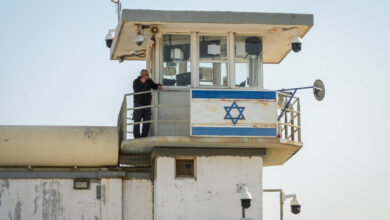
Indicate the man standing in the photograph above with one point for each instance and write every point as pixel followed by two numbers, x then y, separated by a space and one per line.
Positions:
pixel 141 84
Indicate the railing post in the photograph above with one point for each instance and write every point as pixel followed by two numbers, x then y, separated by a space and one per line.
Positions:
pixel 299 119
pixel 292 120
pixel 119 123
pixel 124 118
pixel 155 112
pixel 285 123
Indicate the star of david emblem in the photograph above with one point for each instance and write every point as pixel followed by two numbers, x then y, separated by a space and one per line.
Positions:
pixel 240 116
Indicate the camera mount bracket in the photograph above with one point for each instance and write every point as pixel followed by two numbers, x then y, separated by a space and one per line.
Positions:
pixel 318 91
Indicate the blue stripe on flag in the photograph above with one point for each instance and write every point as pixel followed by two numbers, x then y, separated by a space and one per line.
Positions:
pixel 221 94
pixel 234 131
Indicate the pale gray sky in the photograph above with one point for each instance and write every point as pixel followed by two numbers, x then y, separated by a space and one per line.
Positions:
pixel 55 70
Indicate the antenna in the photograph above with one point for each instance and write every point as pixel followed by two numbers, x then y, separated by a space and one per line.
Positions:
pixel 119 8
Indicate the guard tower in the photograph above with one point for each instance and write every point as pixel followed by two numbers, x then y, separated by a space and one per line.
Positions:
pixel 215 125
pixel 210 64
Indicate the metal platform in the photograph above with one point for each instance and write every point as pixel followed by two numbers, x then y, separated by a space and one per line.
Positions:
pixel 277 150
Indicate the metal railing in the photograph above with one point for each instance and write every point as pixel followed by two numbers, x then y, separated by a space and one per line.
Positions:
pixel 125 114
pixel 290 119
pixel 289 125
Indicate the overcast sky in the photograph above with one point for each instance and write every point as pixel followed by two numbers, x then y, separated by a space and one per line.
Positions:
pixel 55 70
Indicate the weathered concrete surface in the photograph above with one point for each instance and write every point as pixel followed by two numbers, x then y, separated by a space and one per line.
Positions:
pixel 56 199
pixel 138 199
pixel 111 199
pixel 213 194
pixel 58 146
pixel 47 199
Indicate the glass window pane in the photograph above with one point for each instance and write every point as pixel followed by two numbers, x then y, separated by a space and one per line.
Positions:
pixel 213 61
pixel 176 60
pixel 248 61
pixel 212 74
pixel 212 47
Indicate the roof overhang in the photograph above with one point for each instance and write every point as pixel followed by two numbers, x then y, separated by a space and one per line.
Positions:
pixel 277 29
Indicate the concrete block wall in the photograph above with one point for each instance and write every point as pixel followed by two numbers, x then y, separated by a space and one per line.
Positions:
pixel 213 194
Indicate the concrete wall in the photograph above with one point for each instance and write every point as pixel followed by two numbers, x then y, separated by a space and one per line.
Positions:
pixel 213 194
pixel 56 199
pixel 138 199
pixel 47 199
pixel 111 202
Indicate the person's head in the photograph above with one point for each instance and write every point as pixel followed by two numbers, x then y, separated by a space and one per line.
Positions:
pixel 145 73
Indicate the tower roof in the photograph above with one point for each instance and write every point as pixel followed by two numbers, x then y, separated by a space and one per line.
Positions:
pixel 277 29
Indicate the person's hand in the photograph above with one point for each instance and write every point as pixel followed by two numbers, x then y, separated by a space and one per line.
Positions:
pixel 143 79
pixel 159 87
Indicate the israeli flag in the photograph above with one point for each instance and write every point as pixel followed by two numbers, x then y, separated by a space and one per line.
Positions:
pixel 233 113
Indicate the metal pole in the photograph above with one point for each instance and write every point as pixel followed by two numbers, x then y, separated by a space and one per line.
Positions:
pixel 280 197
pixel 299 120
pixel 119 6
pixel 281 204
pixel 290 89
pixel 155 112
pixel 243 212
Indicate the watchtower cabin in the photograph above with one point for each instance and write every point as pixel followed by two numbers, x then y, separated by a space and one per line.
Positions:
pixel 214 126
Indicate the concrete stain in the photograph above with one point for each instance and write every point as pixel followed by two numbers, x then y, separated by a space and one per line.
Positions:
pixel 36 204
pixel 89 133
pixel 1 195
pixel 4 185
pixel 18 211
pixel 52 204
pixel 93 133
pixel 96 218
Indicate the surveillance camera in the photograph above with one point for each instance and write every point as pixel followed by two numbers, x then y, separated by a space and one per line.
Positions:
pixel 110 37
pixel 246 197
pixel 295 206
pixel 296 44
pixel 245 203
pixel 139 38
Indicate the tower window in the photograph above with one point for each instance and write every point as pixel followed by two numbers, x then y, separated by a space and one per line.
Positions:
pixel 213 65
pixel 185 168
pixel 249 61
pixel 176 60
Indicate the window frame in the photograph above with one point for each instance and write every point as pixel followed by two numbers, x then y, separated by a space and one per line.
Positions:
pixel 195 59
pixel 217 34
pixel 161 60
pixel 194 168
pixel 234 60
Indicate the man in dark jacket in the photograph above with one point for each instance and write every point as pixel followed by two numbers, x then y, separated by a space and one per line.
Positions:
pixel 141 84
